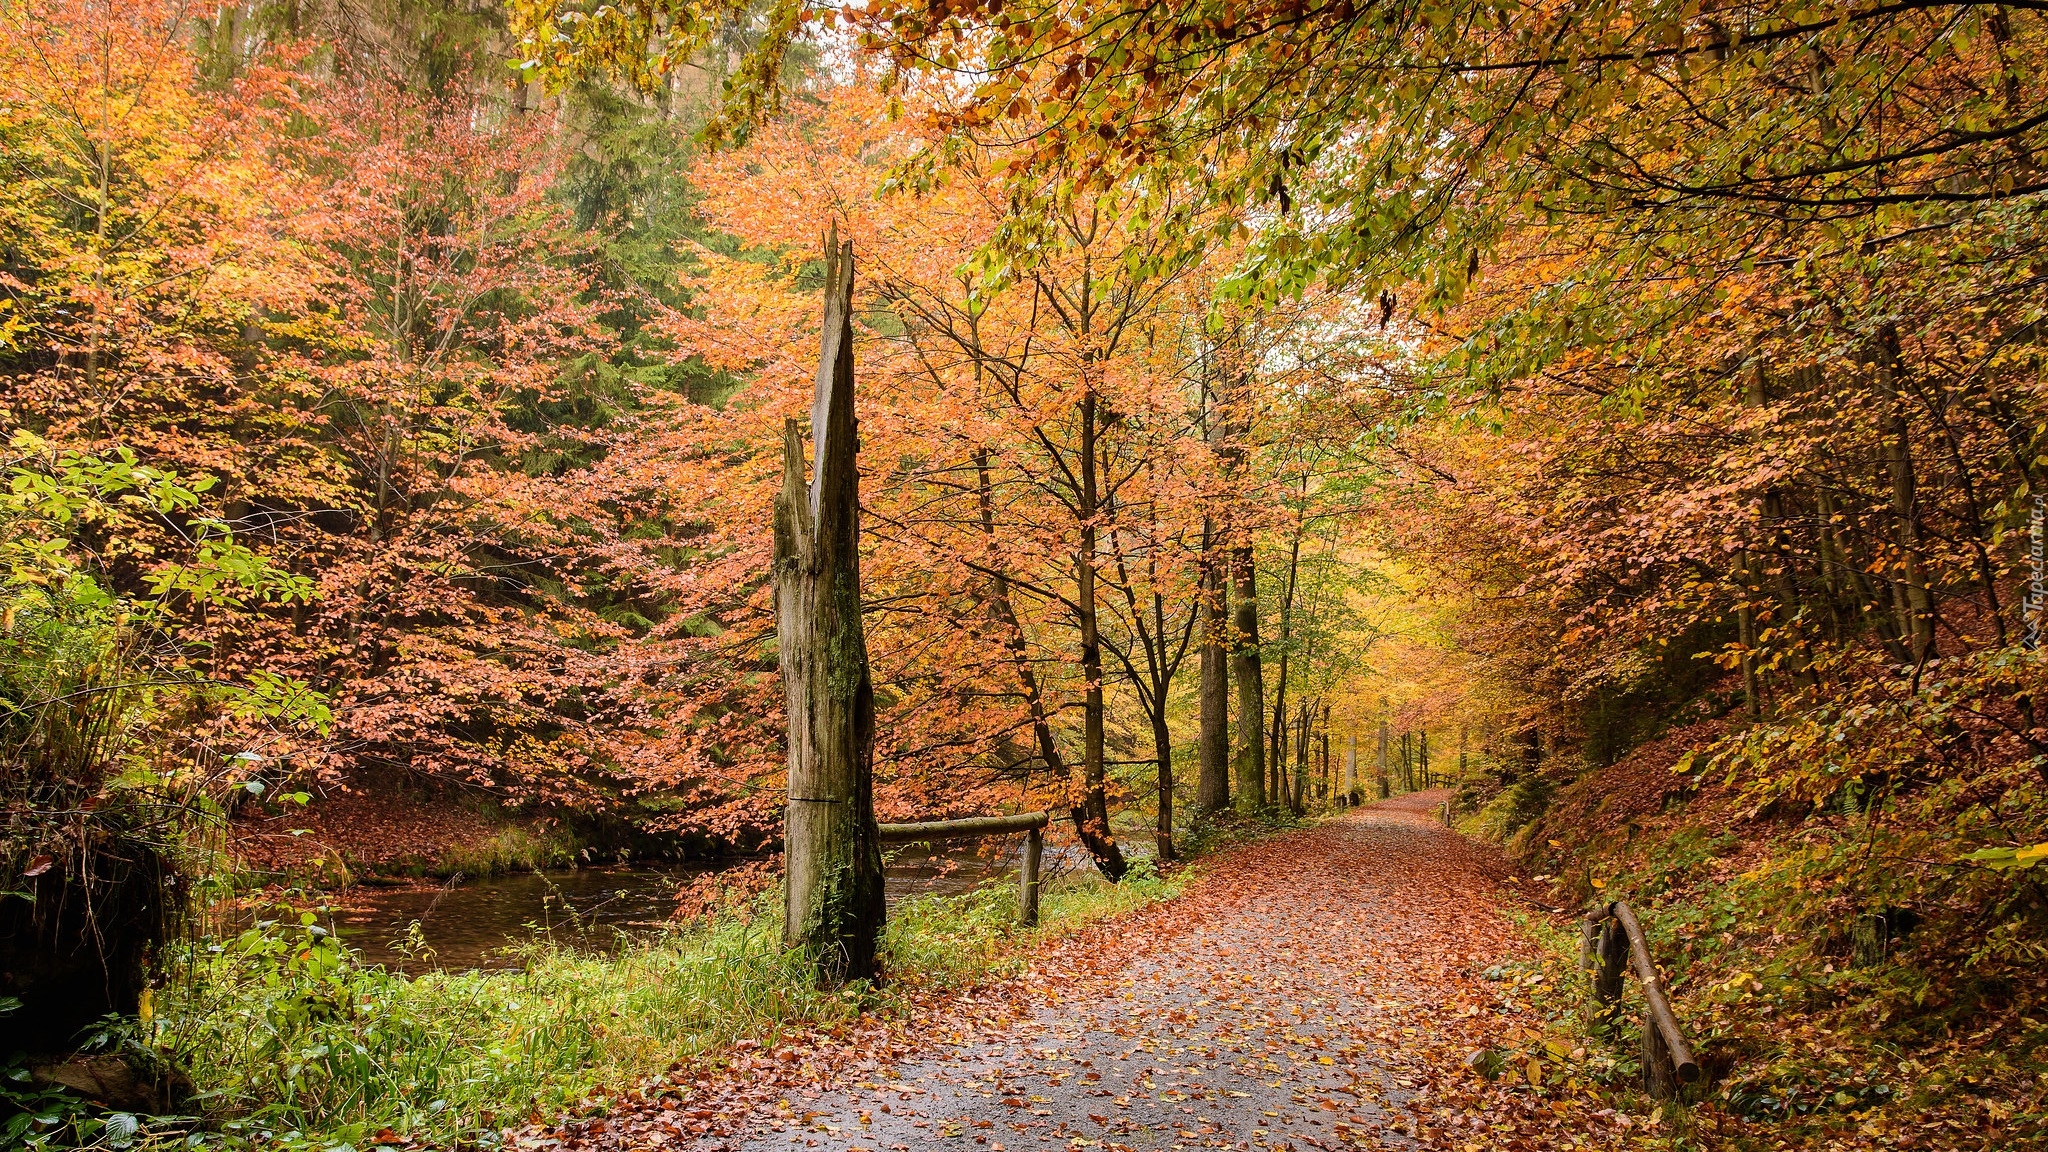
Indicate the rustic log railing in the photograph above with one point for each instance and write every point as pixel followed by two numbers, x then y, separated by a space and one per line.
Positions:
pixel 1032 824
pixel 1609 938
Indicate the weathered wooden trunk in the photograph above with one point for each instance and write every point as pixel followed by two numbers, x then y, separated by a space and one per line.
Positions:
pixel 831 852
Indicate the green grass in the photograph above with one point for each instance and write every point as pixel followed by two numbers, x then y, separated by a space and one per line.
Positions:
pixel 292 1043
pixel 512 849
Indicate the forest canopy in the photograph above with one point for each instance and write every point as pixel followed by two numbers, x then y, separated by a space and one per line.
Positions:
pixel 1629 415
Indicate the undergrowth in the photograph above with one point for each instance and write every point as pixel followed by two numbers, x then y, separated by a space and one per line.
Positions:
pixel 291 1042
pixel 511 848
pixel 1847 973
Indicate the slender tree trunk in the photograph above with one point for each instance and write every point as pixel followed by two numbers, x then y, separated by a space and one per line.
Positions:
pixel 1351 794
pixel 1155 684
pixel 1251 687
pixel 1746 634
pixel 1163 670
pixel 1276 745
pixel 1277 753
pixel 831 851
pixel 1004 612
pixel 1298 799
pixel 1386 784
pixel 1091 806
pixel 1914 599
pixel 1162 745
pixel 1213 794
pixel 1329 783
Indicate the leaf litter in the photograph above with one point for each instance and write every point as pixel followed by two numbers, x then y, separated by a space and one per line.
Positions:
pixel 1333 987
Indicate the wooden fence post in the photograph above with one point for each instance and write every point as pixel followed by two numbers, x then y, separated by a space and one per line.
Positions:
pixel 832 858
pixel 1609 937
pixel 1607 976
pixel 1660 1079
pixel 1027 897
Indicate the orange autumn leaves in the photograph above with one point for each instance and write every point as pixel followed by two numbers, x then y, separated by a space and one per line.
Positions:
pixel 1008 413
pixel 356 296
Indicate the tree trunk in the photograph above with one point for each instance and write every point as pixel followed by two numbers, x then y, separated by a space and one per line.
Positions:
pixel 1351 795
pixel 1005 614
pixel 1298 801
pixel 1328 764
pixel 1162 749
pixel 1277 753
pixel 1746 634
pixel 1251 685
pixel 831 853
pixel 1213 794
pixel 1914 600
pixel 1386 784
pixel 1090 808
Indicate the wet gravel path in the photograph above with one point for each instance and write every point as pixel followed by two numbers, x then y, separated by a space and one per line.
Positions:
pixel 1290 999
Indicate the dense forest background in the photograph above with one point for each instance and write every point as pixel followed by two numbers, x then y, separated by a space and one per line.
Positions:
pixel 502 373
pixel 1640 406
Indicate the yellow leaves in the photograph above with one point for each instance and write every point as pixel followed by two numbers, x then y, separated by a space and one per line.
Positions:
pixel 2009 859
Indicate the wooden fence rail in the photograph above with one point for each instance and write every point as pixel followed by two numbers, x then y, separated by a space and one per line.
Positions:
pixel 1610 937
pixel 1032 824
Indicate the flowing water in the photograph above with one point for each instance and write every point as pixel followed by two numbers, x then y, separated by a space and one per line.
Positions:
pixel 480 923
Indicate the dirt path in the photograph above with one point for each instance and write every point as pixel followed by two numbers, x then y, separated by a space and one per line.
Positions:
pixel 1305 992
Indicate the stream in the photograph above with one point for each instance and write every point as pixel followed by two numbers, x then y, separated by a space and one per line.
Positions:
pixel 480 923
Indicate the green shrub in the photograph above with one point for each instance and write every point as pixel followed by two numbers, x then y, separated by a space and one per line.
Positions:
pixel 291 1041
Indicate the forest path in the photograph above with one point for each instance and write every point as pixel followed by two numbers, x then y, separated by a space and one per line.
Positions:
pixel 1306 991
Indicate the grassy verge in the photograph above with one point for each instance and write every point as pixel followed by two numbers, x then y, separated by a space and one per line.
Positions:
pixel 291 1043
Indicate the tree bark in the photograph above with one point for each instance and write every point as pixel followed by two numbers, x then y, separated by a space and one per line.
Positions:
pixel 1386 785
pixel 1251 685
pixel 1276 753
pixel 1914 600
pixel 1297 802
pixel 831 851
pixel 1328 764
pixel 1351 795
pixel 1213 794
pixel 1746 634
pixel 1090 808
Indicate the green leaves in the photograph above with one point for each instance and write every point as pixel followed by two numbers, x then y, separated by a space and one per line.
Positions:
pixel 2008 859
pixel 270 696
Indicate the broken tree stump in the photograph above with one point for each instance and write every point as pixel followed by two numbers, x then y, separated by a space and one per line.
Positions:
pixel 832 861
